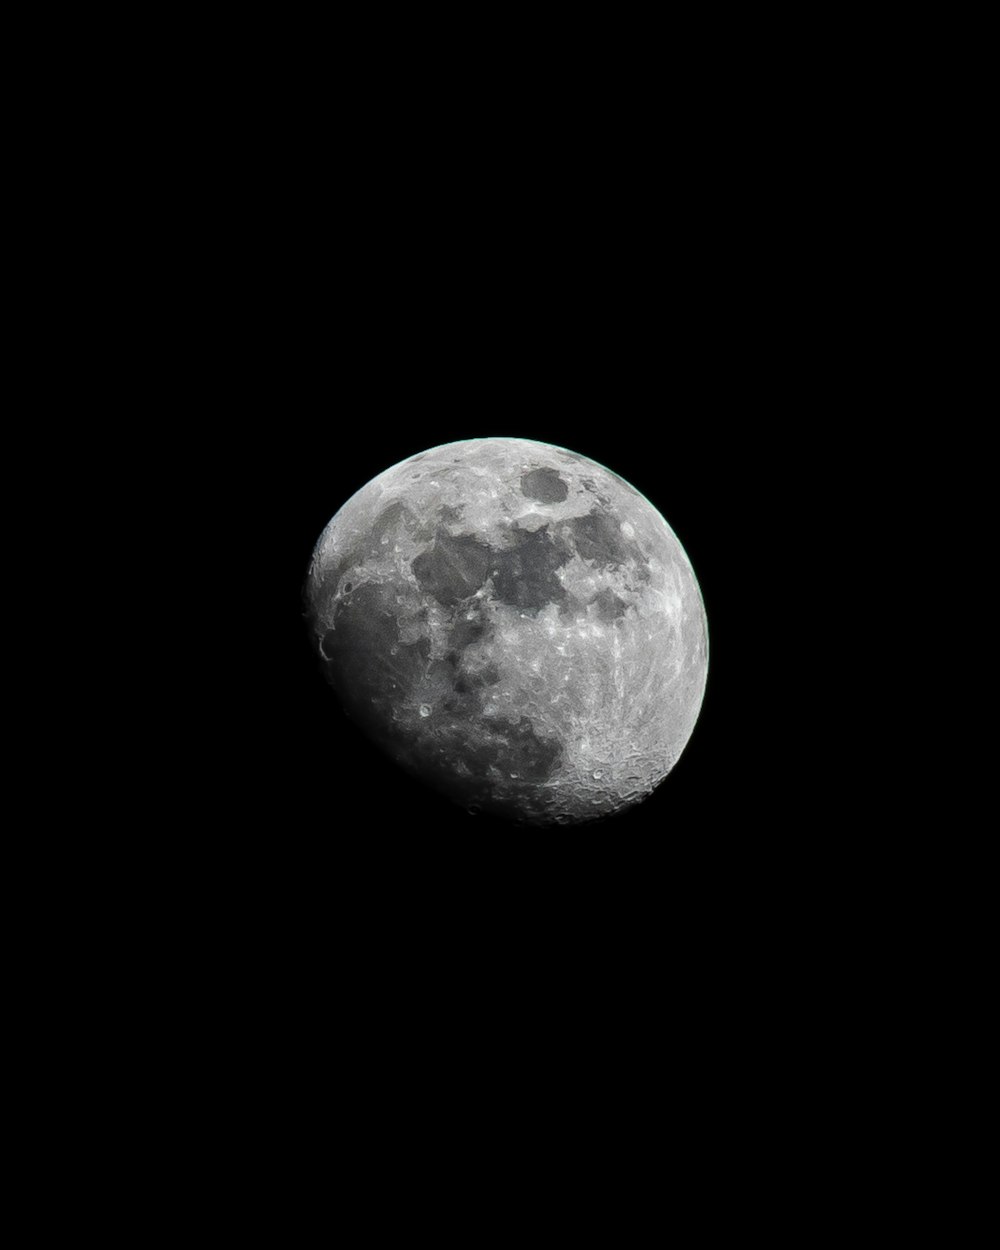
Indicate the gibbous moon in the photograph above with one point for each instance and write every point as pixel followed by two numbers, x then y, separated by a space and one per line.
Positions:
pixel 514 624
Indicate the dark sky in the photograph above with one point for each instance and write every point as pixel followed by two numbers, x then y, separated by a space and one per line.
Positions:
pixel 679 351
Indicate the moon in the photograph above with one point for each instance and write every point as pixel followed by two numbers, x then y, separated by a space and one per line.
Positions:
pixel 514 624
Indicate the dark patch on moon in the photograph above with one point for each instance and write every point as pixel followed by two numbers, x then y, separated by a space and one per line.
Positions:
pixel 610 607
pixel 475 679
pixel 545 485
pixel 524 574
pixel 571 607
pixel 598 537
pixel 454 568
pixel 465 632
pixel 450 514
pixel 463 704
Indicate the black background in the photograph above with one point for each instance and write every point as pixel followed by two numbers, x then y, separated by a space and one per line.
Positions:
pixel 679 311
pixel 716 472
pixel 671 293
pixel 330 858
pixel 665 336
pixel 671 273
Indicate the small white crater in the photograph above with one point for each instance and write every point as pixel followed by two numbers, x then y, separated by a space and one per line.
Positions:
pixel 424 710
pixel 597 774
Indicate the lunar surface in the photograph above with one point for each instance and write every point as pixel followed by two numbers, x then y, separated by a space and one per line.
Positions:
pixel 514 624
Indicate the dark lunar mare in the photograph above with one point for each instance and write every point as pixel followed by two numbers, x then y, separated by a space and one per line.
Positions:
pixel 545 485
pixel 453 568
pixel 488 675
pixel 464 632
pixel 610 607
pixel 524 573
pixel 598 537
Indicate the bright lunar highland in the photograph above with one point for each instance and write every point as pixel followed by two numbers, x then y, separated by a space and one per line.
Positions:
pixel 514 624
